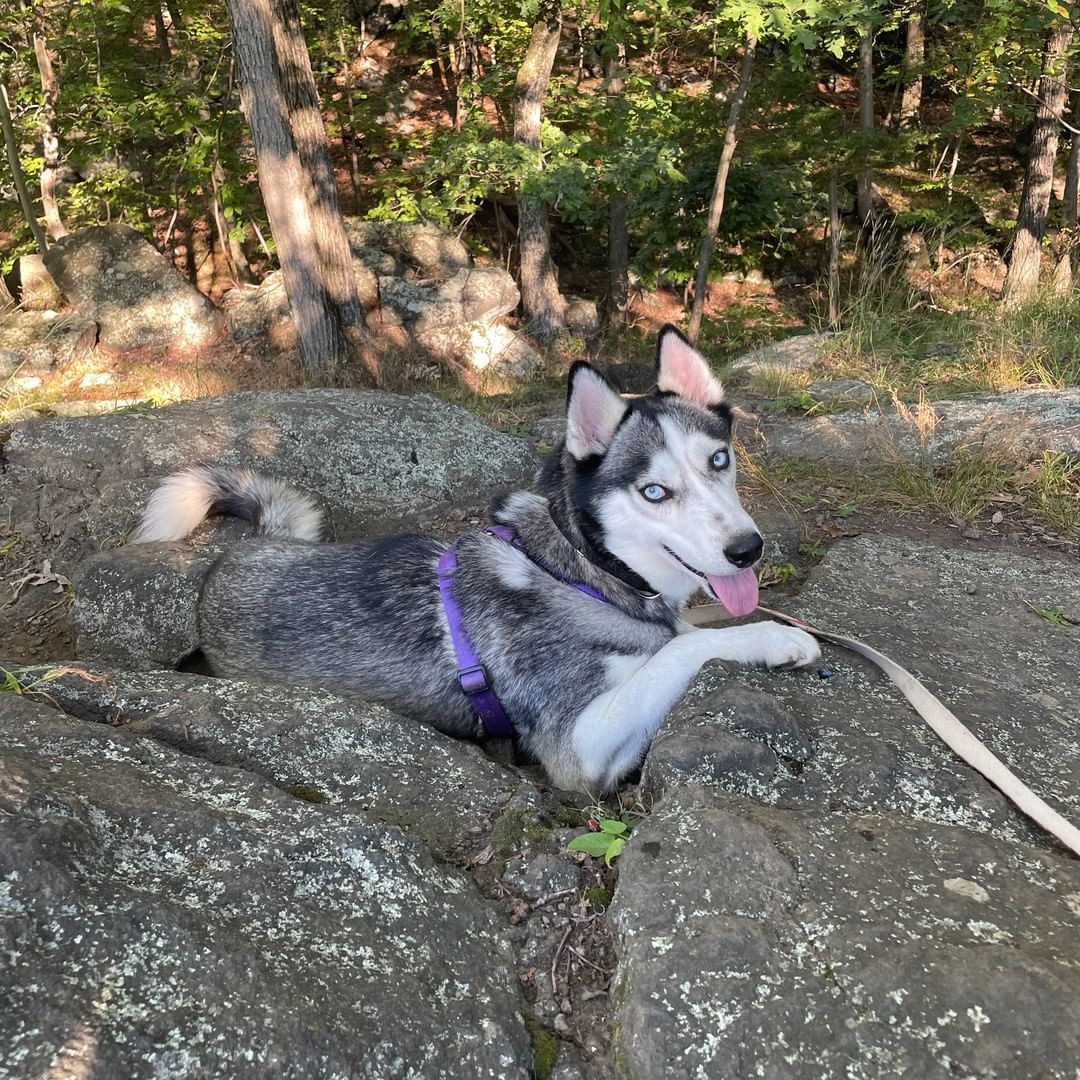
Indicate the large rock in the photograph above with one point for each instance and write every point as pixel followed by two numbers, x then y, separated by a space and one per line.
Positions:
pixel 135 605
pixel 960 621
pixel 318 746
pixel 802 945
pixel 874 883
pixel 37 342
pixel 1025 421
pixel 798 353
pixel 483 348
pixel 373 460
pixel 164 916
pixel 32 285
pixel 481 294
pixel 421 246
pixel 136 296
pixel 262 311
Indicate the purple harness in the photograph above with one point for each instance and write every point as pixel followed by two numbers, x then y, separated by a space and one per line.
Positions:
pixel 472 675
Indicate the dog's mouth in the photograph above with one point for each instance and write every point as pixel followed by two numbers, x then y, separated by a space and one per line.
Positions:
pixel 738 592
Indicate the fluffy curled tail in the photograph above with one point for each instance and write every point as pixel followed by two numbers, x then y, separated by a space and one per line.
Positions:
pixel 183 500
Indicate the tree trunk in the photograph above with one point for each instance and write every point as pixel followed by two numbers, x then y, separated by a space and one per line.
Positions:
pixel 834 252
pixel 12 146
pixel 1063 273
pixel 866 118
pixel 541 300
pixel 618 238
pixel 162 34
pixel 914 58
pixel 1022 279
pixel 349 127
pixel 281 105
pixel 223 223
pixel 716 203
pixel 50 143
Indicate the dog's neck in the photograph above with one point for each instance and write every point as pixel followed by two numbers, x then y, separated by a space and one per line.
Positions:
pixel 556 538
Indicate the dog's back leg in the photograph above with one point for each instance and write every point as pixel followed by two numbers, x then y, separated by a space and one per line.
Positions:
pixel 612 733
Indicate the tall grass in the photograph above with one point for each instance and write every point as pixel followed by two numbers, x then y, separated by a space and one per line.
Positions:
pixel 907 336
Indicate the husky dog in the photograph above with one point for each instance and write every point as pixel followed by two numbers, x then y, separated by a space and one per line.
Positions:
pixel 637 507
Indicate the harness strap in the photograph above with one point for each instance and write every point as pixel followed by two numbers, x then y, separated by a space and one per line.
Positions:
pixel 472 675
pixel 947 726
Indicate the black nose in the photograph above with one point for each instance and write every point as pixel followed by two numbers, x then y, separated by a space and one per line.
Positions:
pixel 745 551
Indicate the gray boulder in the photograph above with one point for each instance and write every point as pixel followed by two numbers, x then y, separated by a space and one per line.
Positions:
pixel 481 294
pixel 37 342
pixel 317 746
pixel 1026 421
pixel 959 620
pixel 483 348
pixel 133 292
pixel 262 311
pixel 421 246
pixel 758 941
pixel 375 461
pixel 135 605
pixel 165 916
pixel 797 353
pixel 32 285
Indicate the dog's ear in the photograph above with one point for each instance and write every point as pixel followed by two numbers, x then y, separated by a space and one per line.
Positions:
pixel 594 410
pixel 682 370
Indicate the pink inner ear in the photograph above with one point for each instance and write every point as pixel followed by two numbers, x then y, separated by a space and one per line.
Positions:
pixel 683 371
pixel 593 415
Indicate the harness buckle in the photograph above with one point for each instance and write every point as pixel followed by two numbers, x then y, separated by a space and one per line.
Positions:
pixel 474 680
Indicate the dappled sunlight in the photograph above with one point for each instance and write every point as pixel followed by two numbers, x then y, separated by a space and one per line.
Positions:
pixel 75 1060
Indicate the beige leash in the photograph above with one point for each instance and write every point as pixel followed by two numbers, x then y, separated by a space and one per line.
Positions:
pixel 943 722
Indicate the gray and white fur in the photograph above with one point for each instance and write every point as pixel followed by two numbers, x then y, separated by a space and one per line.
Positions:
pixel 586 684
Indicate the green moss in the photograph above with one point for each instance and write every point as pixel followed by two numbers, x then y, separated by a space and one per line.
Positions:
pixel 514 828
pixel 599 898
pixel 307 792
pixel 545 1048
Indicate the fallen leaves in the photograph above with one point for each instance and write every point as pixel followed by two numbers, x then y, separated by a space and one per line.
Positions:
pixel 45 576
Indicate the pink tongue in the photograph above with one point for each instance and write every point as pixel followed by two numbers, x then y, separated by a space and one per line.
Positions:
pixel 737 592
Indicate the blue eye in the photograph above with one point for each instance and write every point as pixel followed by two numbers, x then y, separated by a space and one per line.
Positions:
pixel 655 493
pixel 721 459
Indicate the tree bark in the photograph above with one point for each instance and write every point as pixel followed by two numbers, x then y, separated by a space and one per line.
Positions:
pixel 618 237
pixel 50 144
pixel 866 118
pixel 162 34
pixel 716 202
pixel 12 146
pixel 1022 279
pixel 280 102
pixel 1063 273
pixel 914 58
pixel 834 252
pixel 541 300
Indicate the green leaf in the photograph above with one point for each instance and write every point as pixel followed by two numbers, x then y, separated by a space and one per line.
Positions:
pixel 614 850
pixel 593 843
pixel 612 825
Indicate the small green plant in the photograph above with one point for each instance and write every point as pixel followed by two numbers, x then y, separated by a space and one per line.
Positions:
pixel 770 575
pixel 606 840
pixel 1054 616
pixel 796 401
pixel 815 549
pixel 845 510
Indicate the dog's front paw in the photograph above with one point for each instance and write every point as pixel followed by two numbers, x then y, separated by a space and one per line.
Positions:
pixel 785 646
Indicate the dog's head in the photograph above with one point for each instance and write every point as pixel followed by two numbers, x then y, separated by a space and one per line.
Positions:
pixel 654 477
